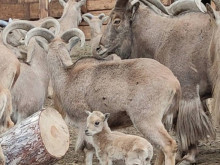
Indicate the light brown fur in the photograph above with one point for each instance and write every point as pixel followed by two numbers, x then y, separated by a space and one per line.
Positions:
pixel 141 91
pixel 111 146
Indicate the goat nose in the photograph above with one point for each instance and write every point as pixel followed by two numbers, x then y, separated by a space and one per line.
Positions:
pixel 86 131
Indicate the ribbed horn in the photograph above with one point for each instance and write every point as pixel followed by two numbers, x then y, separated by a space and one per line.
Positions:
pixel 186 5
pixel 51 23
pixel 24 25
pixel 42 32
pixel 66 36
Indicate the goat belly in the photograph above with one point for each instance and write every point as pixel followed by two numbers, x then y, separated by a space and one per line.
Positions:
pixel 43 138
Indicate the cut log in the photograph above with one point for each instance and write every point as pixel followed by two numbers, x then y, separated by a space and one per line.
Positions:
pixel 43 138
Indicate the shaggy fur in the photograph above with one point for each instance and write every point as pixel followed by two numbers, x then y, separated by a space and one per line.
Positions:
pixel 183 44
pixel 111 146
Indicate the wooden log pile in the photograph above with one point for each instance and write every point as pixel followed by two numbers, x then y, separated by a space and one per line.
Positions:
pixel 31 9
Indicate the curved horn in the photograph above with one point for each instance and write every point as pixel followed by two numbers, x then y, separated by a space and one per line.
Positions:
pixel 66 36
pixel 51 23
pixel 121 3
pixel 24 25
pixel 186 5
pixel 89 15
pixel 217 4
pixel 156 3
pixel 62 3
pixel 101 15
pixel 45 33
pixel 72 42
pixel 3 23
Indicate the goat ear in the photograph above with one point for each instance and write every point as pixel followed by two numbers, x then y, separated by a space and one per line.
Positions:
pixel 213 14
pixel 88 113
pixel 42 44
pixel 106 116
pixel 211 11
pixel 134 7
pixel 65 58
pixel 30 53
pixel 10 20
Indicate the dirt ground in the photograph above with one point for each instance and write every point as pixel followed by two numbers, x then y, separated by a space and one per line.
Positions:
pixel 209 152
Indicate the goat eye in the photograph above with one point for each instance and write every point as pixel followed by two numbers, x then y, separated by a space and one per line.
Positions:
pixel 96 123
pixel 117 21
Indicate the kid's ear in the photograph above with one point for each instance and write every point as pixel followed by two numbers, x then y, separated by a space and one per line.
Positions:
pixel 106 116
pixel 88 112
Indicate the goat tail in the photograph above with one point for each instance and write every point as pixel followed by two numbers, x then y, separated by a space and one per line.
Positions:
pixel 192 123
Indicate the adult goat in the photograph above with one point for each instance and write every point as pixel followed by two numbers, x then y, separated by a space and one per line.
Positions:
pixel 141 91
pixel 182 43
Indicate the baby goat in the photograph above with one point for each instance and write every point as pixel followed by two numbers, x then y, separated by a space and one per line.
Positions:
pixel 111 146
